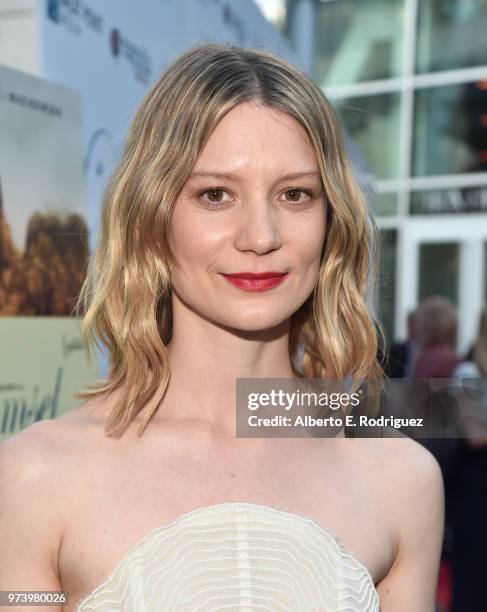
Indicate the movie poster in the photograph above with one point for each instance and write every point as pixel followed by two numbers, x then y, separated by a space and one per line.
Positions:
pixel 44 247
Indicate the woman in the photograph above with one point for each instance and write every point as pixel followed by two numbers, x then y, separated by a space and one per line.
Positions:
pixel 234 166
pixel 437 333
pixel 437 326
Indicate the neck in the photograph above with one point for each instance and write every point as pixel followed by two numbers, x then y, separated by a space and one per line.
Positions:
pixel 207 358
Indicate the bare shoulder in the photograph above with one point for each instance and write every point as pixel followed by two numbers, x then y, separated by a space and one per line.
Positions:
pixel 31 523
pixel 38 457
pixel 406 480
pixel 395 451
pixel 414 483
pixel 37 466
pixel 402 468
pixel 415 465
pixel 32 461
pixel 42 440
pixel 30 452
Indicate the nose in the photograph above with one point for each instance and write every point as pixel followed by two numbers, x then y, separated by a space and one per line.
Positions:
pixel 258 230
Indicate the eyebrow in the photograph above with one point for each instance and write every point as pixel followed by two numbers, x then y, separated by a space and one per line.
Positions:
pixel 236 178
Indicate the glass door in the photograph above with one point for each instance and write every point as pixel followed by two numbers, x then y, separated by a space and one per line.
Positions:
pixel 444 256
pixel 438 272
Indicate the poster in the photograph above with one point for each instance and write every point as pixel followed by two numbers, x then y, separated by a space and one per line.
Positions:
pixel 43 250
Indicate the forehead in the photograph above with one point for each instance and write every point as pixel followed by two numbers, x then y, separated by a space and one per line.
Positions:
pixel 252 135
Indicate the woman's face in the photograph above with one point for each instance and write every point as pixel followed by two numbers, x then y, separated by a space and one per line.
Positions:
pixel 254 203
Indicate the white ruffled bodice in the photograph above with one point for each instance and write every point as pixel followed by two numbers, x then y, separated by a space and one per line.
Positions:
pixel 237 556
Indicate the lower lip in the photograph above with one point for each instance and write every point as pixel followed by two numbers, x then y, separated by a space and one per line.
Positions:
pixel 256 284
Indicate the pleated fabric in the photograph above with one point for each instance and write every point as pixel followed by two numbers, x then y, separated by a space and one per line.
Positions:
pixel 237 556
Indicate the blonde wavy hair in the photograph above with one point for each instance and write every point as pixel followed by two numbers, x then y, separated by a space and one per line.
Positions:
pixel 126 297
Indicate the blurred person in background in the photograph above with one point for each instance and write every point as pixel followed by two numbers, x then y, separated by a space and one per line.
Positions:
pixel 436 336
pixel 436 333
pixel 402 355
pixel 469 512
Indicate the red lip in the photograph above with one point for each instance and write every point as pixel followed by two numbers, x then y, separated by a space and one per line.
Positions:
pixel 249 281
pixel 255 274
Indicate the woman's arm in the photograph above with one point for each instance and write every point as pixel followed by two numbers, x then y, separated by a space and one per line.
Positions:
pixel 418 515
pixel 29 522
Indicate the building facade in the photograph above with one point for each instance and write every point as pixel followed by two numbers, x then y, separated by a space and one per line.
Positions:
pixel 409 81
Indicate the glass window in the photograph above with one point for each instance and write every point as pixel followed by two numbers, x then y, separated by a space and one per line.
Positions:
pixel 450 129
pixel 373 124
pixel 451 34
pixel 358 41
pixel 387 291
pixel 438 270
pixel 385 204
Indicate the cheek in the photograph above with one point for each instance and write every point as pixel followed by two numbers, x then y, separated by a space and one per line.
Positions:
pixel 195 241
pixel 309 239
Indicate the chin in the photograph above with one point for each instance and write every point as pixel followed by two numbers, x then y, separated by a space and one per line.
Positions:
pixel 256 321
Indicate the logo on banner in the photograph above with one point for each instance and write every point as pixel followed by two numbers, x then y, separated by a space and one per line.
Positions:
pixel 120 46
pixel 74 15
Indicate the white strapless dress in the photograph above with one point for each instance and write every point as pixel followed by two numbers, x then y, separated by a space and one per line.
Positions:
pixel 237 556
